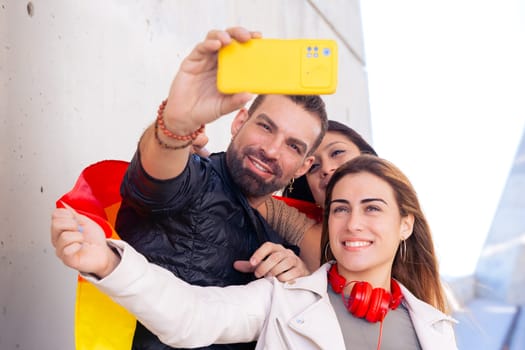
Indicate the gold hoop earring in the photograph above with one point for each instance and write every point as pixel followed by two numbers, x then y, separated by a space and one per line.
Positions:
pixel 290 185
pixel 403 250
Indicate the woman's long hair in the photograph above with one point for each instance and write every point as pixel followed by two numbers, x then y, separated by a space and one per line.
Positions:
pixel 417 267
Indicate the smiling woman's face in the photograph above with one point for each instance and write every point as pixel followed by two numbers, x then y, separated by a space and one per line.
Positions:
pixel 365 226
pixel 334 150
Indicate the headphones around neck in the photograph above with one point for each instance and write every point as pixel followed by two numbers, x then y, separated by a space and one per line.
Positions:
pixel 365 301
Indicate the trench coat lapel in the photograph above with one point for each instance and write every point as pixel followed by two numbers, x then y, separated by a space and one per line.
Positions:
pixel 434 328
pixel 318 322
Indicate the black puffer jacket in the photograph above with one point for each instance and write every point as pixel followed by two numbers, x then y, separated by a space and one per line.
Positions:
pixel 195 225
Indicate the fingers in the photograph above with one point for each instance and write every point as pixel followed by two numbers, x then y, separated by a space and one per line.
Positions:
pixel 256 34
pixel 203 57
pixel 68 246
pixel 80 242
pixel 69 212
pixel 279 263
pixel 67 227
pixel 234 102
pixel 221 36
pixel 81 219
pixel 242 34
pixel 62 220
pixel 199 145
pixel 264 251
pixel 65 234
pixel 274 260
pixel 243 266
pixel 69 243
pixel 201 140
pixel 205 51
pixel 215 39
pixel 238 33
pixel 292 274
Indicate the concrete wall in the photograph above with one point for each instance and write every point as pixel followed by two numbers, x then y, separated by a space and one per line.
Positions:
pixel 79 82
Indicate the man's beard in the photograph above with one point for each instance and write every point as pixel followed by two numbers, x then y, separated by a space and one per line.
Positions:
pixel 252 185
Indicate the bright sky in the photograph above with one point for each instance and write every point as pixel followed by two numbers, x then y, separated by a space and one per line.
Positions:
pixel 447 97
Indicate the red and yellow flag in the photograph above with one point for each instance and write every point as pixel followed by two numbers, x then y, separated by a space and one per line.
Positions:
pixel 100 324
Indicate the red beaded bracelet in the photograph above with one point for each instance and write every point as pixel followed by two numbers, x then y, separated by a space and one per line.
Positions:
pixel 165 131
pixel 165 145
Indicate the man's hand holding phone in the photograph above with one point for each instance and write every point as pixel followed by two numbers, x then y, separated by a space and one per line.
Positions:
pixel 193 98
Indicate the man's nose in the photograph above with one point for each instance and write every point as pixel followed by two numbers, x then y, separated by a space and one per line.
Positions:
pixel 274 148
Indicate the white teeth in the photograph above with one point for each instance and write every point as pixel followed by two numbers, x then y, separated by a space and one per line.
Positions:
pixel 357 243
pixel 260 167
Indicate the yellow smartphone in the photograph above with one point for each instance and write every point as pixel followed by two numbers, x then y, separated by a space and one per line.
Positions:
pixel 278 66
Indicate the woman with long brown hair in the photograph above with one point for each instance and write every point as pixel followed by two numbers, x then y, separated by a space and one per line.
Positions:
pixel 415 263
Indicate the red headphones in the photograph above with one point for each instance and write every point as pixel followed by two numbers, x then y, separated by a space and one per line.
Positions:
pixel 365 301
